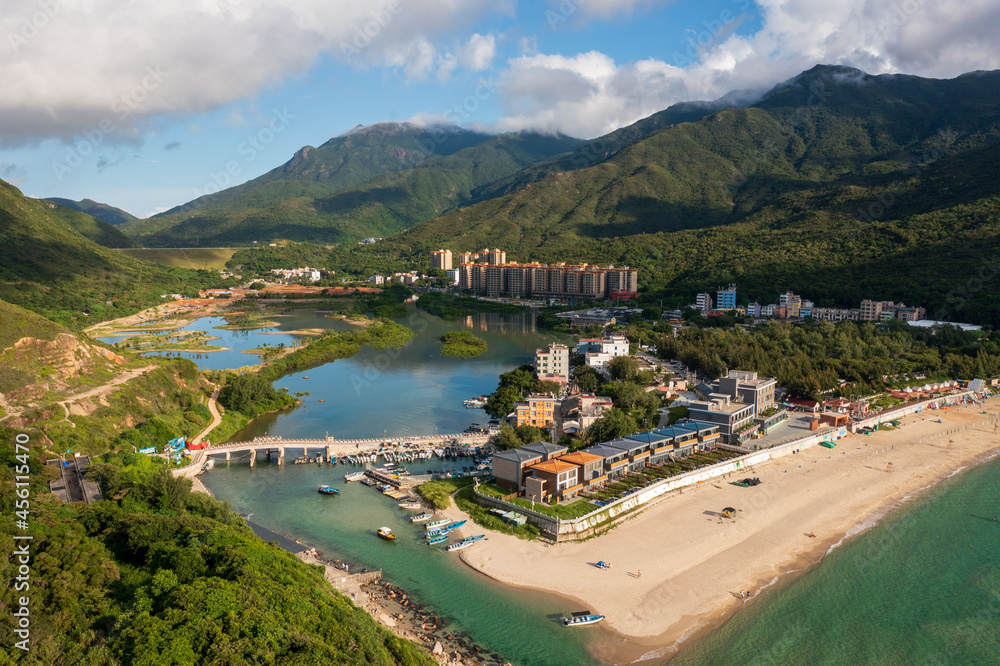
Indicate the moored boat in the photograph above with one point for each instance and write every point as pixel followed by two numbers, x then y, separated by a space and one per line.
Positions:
pixel 438 538
pixel 421 517
pixel 410 505
pixel 580 619
pixel 327 490
pixel 209 464
pixel 386 534
pixel 827 444
pixel 354 476
pixel 438 523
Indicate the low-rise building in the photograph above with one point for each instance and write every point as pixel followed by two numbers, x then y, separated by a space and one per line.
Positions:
pixel 508 467
pixel 721 410
pixel 537 410
pixel 553 363
pixel 591 468
pixel 554 477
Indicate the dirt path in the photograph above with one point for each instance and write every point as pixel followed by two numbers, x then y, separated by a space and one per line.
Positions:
pixel 216 417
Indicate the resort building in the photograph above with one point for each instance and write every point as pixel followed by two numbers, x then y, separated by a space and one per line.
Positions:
pixel 537 410
pixel 553 363
pixel 441 259
pixel 722 411
pixel 545 449
pixel 551 478
pixel 746 387
pixel 615 460
pixel 591 468
pixel 508 467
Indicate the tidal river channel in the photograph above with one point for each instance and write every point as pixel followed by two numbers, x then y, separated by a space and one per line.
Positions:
pixel 396 393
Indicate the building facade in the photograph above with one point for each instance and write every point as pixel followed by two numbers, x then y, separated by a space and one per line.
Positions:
pixel 553 363
pixel 441 259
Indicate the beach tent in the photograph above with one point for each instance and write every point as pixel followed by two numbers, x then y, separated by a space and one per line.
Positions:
pixel 729 512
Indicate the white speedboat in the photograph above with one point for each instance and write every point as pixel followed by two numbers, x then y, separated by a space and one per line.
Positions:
pixel 354 476
pixel 581 619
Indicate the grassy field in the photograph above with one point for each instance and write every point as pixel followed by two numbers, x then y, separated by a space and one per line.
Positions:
pixel 211 258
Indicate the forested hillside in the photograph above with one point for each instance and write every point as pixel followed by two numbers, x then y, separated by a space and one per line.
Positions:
pixel 48 265
pixel 374 181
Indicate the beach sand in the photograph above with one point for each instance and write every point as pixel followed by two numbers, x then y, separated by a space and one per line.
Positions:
pixel 694 563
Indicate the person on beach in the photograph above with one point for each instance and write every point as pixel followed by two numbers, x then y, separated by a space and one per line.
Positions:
pixel 638 574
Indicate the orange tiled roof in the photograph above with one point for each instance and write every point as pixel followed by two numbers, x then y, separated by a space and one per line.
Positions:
pixel 553 466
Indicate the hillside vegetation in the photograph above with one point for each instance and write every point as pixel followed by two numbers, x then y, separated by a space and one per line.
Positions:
pixel 374 181
pixel 838 185
pixel 156 575
pixel 48 266
pixel 105 212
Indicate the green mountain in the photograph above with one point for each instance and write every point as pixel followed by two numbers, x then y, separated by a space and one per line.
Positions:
pixel 48 266
pixel 91 226
pixel 836 184
pixel 110 214
pixel 373 181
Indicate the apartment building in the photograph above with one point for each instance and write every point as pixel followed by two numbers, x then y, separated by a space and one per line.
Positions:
pixel 725 299
pixel 703 302
pixel 720 410
pixel 553 363
pixel 441 259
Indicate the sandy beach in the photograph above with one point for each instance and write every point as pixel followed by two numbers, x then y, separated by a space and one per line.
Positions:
pixel 679 566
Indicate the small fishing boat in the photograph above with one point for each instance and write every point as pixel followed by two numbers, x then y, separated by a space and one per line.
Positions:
pixel 354 476
pixel 327 490
pixel 438 523
pixel 421 518
pixel 582 618
pixel 410 505
pixel 453 526
pixel 827 444
pixel 464 543
pixel 386 534
pixel 438 538
pixel 209 464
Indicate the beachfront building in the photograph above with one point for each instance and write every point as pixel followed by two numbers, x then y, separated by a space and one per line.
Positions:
pixel 591 468
pixel 720 410
pixel 615 460
pixel 537 410
pixel 441 259
pixel 508 467
pixel 745 386
pixel 553 363
pixel 546 450
pixel 552 478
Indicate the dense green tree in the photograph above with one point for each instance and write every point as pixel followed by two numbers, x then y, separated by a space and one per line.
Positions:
pixel 612 424
pixel 623 367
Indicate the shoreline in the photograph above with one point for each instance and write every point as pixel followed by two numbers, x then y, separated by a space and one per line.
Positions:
pixel 390 607
pixel 694 583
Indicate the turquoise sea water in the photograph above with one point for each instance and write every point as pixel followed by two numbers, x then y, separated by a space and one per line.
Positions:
pixel 921 587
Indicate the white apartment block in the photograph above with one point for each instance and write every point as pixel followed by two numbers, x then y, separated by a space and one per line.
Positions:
pixel 553 363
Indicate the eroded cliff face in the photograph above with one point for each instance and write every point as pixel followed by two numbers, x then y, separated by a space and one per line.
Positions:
pixel 34 371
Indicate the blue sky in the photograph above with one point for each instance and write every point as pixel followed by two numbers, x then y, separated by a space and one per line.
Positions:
pixel 148 104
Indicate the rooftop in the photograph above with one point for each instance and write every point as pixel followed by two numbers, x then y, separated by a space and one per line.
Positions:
pixel 554 466
pixel 517 455
pixel 580 457
pixel 543 448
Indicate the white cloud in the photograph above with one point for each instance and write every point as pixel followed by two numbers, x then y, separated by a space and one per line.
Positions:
pixel 478 53
pixel 66 69
pixel 156 211
pixel 589 94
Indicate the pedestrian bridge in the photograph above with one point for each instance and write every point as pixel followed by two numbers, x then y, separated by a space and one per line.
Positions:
pixel 337 447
